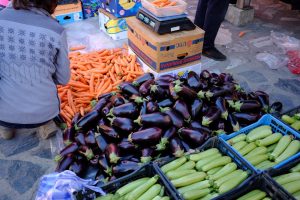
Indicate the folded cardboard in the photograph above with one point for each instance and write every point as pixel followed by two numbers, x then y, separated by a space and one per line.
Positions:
pixel 164 52
pixel 121 8
pixel 90 8
pixel 68 13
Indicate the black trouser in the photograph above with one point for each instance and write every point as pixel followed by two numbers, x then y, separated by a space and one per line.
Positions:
pixel 209 16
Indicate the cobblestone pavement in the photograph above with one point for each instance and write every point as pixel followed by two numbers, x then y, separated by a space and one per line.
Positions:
pixel 26 158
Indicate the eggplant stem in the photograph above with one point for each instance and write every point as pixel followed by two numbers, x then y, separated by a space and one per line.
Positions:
pixel 63 126
pixel 162 109
pixel 162 144
pixel 108 171
pixel 135 83
pixel 231 103
pixel 110 114
pixel 206 121
pixel 237 106
pixel 179 153
pixel 130 138
pixel 113 158
pixel 138 121
pixel 209 95
pixel 177 82
pixel 67 142
pixel 201 94
pixel 76 127
pixel 138 100
pixel 177 88
pixel 153 88
pixel 58 158
pixel 93 103
pixel 225 115
pixel 236 127
pixel 146 159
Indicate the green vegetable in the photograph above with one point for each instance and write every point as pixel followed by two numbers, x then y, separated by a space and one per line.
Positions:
pixel 213 171
pixel 296 168
pixel 232 183
pixel 131 186
pixel 296 125
pixel 217 163
pixel 174 164
pixel 232 175
pixel 195 194
pixel 264 164
pixel 274 138
pixel 162 191
pixel 258 196
pixel 287 119
pixel 199 186
pixel 249 194
pixel 297 195
pixel 205 161
pixel 237 139
pixel 179 173
pixel 165 198
pixel 137 192
pixel 204 154
pixel 291 150
pixel 157 198
pixel 255 160
pixel 281 146
pixel 256 151
pixel 151 193
pixel 210 196
pixel 189 179
pixel 271 147
pixel 239 145
pixel 287 178
pixel 249 147
pixel 188 165
pixel 267 198
pixel 227 169
pixel 259 133
pixel 292 187
pixel 106 197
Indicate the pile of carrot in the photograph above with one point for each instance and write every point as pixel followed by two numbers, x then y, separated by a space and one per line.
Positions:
pixel 163 3
pixel 93 74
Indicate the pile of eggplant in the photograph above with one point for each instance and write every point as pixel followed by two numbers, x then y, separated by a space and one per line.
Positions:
pixel 153 118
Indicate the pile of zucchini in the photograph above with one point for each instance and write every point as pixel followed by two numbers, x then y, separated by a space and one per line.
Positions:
pixel 263 148
pixel 204 175
pixel 255 194
pixel 294 120
pixel 141 189
pixel 291 181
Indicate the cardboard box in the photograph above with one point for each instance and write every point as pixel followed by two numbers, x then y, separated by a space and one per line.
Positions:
pixel 164 52
pixel 68 13
pixel 121 8
pixel 116 28
pixel 90 8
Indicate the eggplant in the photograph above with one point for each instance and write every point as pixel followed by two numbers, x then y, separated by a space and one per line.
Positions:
pixel 192 136
pixel 245 106
pixel 142 79
pixel 69 135
pixel 106 95
pixel 158 92
pixel 165 103
pixel 152 107
pixel 196 107
pixel 101 178
pixel 173 94
pixel 203 85
pixel 103 101
pixel 90 138
pixel 205 108
pixel 168 134
pixel 64 163
pixel 128 89
pixel 221 105
pixel 193 80
pixel 186 146
pixel 197 126
pixel 95 160
pixel 80 138
pixel 76 118
pixel 88 120
pixel 215 79
pixel 276 107
pixel 185 92
pixel 118 100
pixel 112 153
pixel 181 107
pixel 216 92
pixel 263 99
pixel 228 78
pixel 252 96
pixel 101 142
pixel 104 164
pixel 233 122
pixel 163 83
pixel 145 87
pixel 125 168
pixel 143 109
pixel 60 122
pixel 212 115
pixel 154 119
pixel 146 136
pixel 102 121
pixel 246 118
pixel 205 75
pixel 176 118
pixel 126 147
pixel 176 147
pixel 137 99
pixel 147 154
pixel 71 148
pixel 76 167
pixel 106 109
pixel 126 110
pixel 87 152
pixel 122 124
pixel 109 132
pixel 167 77
pixel 90 172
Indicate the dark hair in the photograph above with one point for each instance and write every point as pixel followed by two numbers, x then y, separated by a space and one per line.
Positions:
pixel 48 5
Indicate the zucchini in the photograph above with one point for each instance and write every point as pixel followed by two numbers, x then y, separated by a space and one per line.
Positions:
pixel 165 198
pixel 188 165
pixel 281 146
pixel 232 183
pixel 258 196
pixel 162 191
pixel 195 194
pixel 210 196
pixel 291 150
pixel 267 198
pixel 249 194
pixel 227 169
pixel 179 173
pixel 259 134
pixel 271 147
pixel 265 165
pixel 239 145
pixel 199 186
pixel 296 168
pixel 106 197
pixel 249 147
pixel 274 138
pixel 255 160
pixel 296 125
pixel 205 161
pixel 137 192
pixel 292 187
pixel 174 164
pixel 256 151
pixel 189 179
pixel 237 139
pixel 232 175
pixel 217 163
pixel 287 119
pixel 157 198
pixel 287 178
pixel 213 171
pixel 203 154
pixel 131 186
pixel 258 130
pixel 151 193
pixel 296 194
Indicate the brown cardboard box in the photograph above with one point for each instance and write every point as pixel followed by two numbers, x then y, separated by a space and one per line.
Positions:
pixel 68 13
pixel 164 52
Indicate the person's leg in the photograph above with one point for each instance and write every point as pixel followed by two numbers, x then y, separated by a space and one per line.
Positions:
pixel 200 13
pixel 47 130
pixel 7 133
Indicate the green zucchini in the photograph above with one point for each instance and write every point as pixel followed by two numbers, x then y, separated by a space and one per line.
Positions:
pixel 281 146
pixel 237 139
pixel 239 145
pixel 287 178
pixel 199 185
pixel 296 125
pixel 137 192
pixel 131 186
pixel 271 147
pixel 265 164
pixel 232 183
pixel 188 165
pixel 292 187
pixel 267 198
pixel 205 161
pixel 259 133
pixel 157 198
pixel 256 151
pixel 189 179
pixel 291 150
pixel 249 194
pixel 274 138
pixel 203 154
pixel 162 191
pixel 106 197
pixel 216 163
pixel 255 160
pixel 151 193
pixel 179 173
pixel 258 196
pixel 227 169
pixel 296 194
pixel 174 164
pixel 213 171
pixel 296 168
pixel 210 196
pixel 232 175
pixel 195 194
pixel 287 119
pixel 165 198
pixel 249 147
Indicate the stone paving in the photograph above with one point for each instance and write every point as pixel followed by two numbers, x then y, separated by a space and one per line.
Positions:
pixel 26 158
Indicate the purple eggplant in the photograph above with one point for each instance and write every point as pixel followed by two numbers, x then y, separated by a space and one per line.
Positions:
pixel 128 89
pixel 142 79
pixel 145 87
pixel 181 107
pixel 234 123
pixel 104 164
pixel 106 109
pixel 276 107
pixel 88 120
pixel 203 85
pixel 205 108
pixel 147 154
pixel 143 109
pixel 106 95
pixel 146 136
pixel 197 126
pixel 125 168
pixel 90 138
pixel 228 78
pixel 71 148
pixel 76 167
pixel 163 83
pixel 185 92
pixel 252 96
pixel 215 79
pixel 117 100
pixel 80 138
pixel 87 152
pixel 126 110
pixel 69 135
pixel 192 136
pixel 158 92
pixel 112 153
pixel 103 101
pixel 193 80
pixel 126 147
pixel 246 118
pixel 64 163
pixel 167 77
pixel 152 107
pixel 221 105
pixel 101 142
pixel 172 92
pixel 94 161
pixel 216 92
pixel 137 99
pixel 90 172
pixel 176 117
pixel 168 134
pixel 109 132
pixel 245 106
pixel 176 147
pixel 154 119
pixel 187 147
pixel 122 124
pixel 196 107
pixel 212 115
pixel 165 103
pixel 205 75
pixel 76 118
pixel 263 99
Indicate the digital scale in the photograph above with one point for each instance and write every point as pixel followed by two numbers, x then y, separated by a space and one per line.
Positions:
pixel 163 25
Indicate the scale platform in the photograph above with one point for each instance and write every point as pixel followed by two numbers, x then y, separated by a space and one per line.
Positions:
pixel 164 25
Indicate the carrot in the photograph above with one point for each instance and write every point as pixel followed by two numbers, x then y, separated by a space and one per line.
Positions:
pixel 242 33
pixel 78 84
pixel 70 101
pixel 92 84
pixel 76 48
pixel 81 111
pixel 69 110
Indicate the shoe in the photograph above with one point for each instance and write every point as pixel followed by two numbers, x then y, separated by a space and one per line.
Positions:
pixel 7 133
pixel 214 54
pixel 48 130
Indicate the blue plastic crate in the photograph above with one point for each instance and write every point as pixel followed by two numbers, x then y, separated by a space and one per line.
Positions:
pixel 277 127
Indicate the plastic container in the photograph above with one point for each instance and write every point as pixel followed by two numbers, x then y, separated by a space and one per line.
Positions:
pixel 146 171
pixel 216 142
pixel 277 127
pixel 179 9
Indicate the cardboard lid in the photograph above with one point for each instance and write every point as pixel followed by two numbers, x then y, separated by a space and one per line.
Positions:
pixel 68 8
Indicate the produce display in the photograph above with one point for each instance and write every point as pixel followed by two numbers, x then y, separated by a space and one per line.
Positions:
pixel 164 3
pixel 204 175
pixel 291 181
pixel 294 120
pixel 145 188
pixel 93 74
pixel 263 148
pixel 255 194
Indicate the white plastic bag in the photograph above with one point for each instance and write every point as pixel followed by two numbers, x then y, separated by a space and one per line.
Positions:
pixel 273 61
